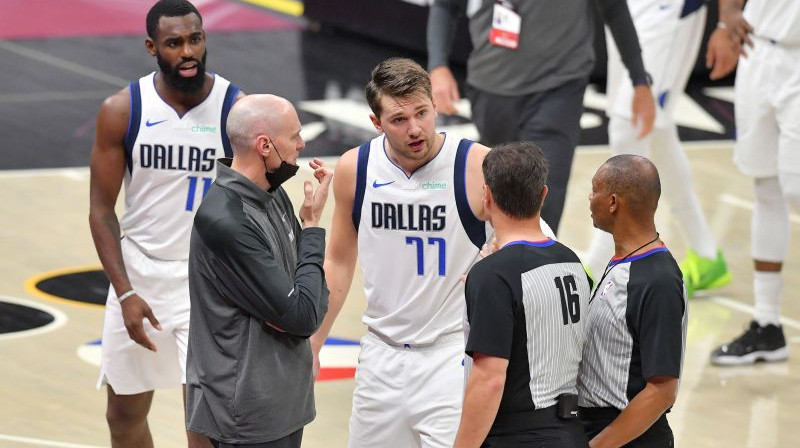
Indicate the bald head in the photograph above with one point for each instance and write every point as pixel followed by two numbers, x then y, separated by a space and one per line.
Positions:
pixel 256 115
pixel 634 178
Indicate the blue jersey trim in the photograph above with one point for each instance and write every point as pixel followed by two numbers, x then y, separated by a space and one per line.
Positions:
pixel 638 257
pixel 475 228
pixel 361 183
pixel 690 6
pixel 134 121
pixel 541 243
pixel 230 97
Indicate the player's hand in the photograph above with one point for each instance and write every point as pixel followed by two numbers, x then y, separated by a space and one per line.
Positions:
pixel 486 250
pixel 737 27
pixel 721 55
pixel 134 311
pixel 643 110
pixel 315 199
pixel 445 90
pixel 489 248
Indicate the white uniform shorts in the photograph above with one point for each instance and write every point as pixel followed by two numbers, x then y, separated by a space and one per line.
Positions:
pixel 669 50
pixel 128 367
pixel 768 110
pixel 408 396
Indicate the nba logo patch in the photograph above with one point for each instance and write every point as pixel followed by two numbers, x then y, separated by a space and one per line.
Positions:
pixel 607 286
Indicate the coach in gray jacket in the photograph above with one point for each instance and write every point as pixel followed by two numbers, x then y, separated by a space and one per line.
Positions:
pixel 257 286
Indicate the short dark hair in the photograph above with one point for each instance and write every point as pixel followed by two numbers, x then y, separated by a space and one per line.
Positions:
pixel 168 8
pixel 516 174
pixel 634 178
pixel 396 77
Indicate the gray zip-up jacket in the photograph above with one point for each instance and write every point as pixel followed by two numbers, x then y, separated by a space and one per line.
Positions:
pixel 257 292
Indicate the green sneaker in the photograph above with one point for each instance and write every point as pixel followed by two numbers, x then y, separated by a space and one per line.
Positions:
pixel 701 273
pixel 589 272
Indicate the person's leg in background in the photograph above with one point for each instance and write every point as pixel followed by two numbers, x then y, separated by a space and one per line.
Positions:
pixel 768 121
pixel 552 120
pixel 495 116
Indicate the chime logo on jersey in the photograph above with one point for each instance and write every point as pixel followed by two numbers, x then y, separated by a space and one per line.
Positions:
pixel 434 185
pixel 204 129
pixel 176 157
pixel 421 217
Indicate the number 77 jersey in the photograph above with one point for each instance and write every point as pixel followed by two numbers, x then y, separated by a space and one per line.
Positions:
pixel 417 237
pixel 170 165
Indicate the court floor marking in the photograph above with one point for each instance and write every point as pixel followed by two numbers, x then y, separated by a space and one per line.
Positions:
pixel 748 309
pixel 742 203
pixel 44 442
pixel 59 318
pixel 62 63
pixel 290 7
pixel 39 97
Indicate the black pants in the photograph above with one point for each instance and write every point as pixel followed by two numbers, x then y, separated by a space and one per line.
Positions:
pixel 657 436
pixel 291 441
pixel 543 430
pixel 550 119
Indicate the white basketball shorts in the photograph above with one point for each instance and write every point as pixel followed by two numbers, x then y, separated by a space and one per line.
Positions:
pixel 669 49
pixel 408 396
pixel 128 367
pixel 768 110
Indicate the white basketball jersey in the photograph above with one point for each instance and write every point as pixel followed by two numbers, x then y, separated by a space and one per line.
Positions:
pixel 417 236
pixel 170 165
pixel 778 20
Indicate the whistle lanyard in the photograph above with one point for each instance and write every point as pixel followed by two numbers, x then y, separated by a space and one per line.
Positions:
pixel 610 266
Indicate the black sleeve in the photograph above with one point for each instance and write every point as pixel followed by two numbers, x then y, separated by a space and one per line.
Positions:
pixel 259 284
pixel 490 311
pixel 616 14
pixel 657 314
pixel 442 24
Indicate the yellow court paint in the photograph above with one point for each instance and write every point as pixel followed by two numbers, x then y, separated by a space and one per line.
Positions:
pixel 290 7
pixel 30 285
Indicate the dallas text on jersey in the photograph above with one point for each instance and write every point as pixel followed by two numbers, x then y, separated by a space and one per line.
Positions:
pixel 163 157
pixel 408 217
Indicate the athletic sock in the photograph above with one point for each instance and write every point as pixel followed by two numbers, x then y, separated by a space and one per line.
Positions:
pixel 767 288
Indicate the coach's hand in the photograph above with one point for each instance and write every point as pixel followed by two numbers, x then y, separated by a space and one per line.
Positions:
pixel 134 311
pixel 314 203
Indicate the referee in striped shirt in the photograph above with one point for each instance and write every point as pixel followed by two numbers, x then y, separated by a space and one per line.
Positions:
pixel 636 323
pixel 525 312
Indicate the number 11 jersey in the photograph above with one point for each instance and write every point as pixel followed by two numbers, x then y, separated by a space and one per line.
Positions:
pixel 170 165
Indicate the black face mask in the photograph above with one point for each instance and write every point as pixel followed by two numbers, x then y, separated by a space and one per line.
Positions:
pixel 281 174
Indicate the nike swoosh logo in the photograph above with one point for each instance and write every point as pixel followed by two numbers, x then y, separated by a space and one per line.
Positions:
pixel 148 124
pixel 375 184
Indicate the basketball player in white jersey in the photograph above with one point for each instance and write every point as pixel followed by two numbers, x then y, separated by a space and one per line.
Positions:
pixel 408 205
pixel 767 36
pixel 159 136
pixel 670 33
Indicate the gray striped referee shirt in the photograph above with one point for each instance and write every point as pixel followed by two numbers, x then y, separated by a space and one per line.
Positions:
pixel 636 329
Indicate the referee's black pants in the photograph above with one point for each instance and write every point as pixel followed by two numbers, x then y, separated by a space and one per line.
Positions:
pixel 542 429
pixel 657 436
